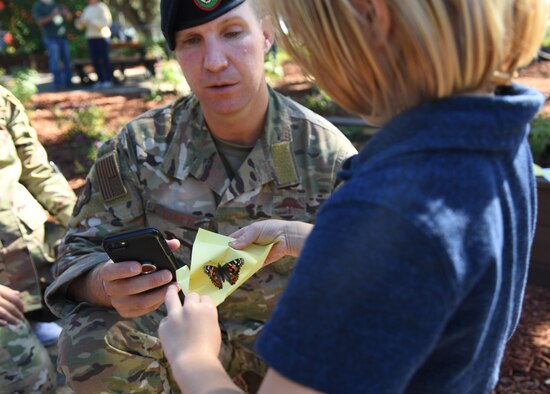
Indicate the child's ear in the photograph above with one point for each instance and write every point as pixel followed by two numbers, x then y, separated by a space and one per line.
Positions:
pixel 377 19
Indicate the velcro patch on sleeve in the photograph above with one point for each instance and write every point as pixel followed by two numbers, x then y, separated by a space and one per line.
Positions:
pixel 283 161
pixel 109 178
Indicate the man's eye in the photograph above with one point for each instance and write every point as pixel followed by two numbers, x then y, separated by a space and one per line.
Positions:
pixel 233 34
pixel 190 41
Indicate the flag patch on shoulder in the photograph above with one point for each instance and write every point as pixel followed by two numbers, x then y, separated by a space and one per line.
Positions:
pixel 109 178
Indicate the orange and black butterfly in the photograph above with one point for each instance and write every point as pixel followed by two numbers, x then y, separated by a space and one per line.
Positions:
pixel 228 272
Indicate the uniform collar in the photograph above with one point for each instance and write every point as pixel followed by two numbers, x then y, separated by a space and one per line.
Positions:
pixel 192 151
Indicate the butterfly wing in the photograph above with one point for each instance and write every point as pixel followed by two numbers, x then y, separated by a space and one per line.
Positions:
pixel 214 275
pixel 231 270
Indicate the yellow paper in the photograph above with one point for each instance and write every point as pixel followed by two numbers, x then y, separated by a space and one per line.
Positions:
pixel 538 170
pixel 542 172
pixel 212 249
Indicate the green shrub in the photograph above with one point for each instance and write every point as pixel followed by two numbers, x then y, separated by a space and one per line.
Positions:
pixel 16 17
pixel 273 64
pixel 539 137
pixel 546 39
pixel 22 83
pixel 273 67
pixel 169 80
pixel 86 132
pixel 78 46
pixel 320 102
pixel 155 49
pixel 358 135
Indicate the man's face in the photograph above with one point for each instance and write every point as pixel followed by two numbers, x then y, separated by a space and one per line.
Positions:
pixel 223 60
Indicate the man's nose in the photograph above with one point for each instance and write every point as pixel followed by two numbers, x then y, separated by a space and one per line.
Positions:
pixel 214 56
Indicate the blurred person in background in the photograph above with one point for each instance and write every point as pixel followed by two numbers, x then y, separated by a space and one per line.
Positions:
pixel 35 205
pixel 97 19
pixel 51 19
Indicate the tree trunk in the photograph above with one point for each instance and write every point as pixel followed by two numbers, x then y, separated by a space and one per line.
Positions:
pixel 141 14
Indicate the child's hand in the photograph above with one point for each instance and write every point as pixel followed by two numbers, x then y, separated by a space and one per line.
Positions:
pixel 192 331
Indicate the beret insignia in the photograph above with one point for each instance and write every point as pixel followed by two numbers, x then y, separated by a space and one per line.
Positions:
pixel 207 5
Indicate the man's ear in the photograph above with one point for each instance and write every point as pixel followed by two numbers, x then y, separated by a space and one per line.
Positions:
pixel 266 25
pixel 377 19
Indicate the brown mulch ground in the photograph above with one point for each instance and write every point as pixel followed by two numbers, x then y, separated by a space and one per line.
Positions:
pixel 51 111
pixel 526 366
pixel 538 76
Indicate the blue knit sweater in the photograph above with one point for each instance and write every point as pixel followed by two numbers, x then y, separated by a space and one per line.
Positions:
pixel 413 277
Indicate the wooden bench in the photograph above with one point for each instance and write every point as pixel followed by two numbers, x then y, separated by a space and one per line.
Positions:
pixel 120 60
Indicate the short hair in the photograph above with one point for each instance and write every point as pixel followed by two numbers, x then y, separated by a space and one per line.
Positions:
pixel 435 48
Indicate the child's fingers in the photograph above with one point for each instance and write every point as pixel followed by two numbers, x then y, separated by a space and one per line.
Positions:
pixel 192 297
pixel 206 300
pixel 171 300
pixel 173 244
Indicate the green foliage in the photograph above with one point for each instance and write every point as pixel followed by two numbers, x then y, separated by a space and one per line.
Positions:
pixel 22 84
pixel 170 79
pixel 170 72
pixel 17 19
pixel 273 68
pixel 155 49
pixel 358 135
pixel 78 46
pixel 86 133
pixel 273 64
pixel 539 137
pixel 546 39
pixel 320 102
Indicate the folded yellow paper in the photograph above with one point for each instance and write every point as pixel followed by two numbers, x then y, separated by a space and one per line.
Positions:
pixel 217 270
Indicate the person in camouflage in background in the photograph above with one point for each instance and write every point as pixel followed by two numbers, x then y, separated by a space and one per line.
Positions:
pixel 29 185
pixel 233 152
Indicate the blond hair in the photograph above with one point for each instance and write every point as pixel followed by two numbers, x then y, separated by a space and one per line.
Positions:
pixel 259 7
pixel 435 48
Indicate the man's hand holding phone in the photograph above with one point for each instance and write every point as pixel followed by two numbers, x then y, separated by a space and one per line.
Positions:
pixel 120 283
pixel 123 280
pixel 130 292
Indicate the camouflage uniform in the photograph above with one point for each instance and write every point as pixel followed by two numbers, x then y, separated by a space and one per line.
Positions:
pixel 25 365
pixel 164 171
pixel 28 184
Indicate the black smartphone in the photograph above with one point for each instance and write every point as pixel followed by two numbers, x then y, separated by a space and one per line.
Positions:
pixel 146 245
